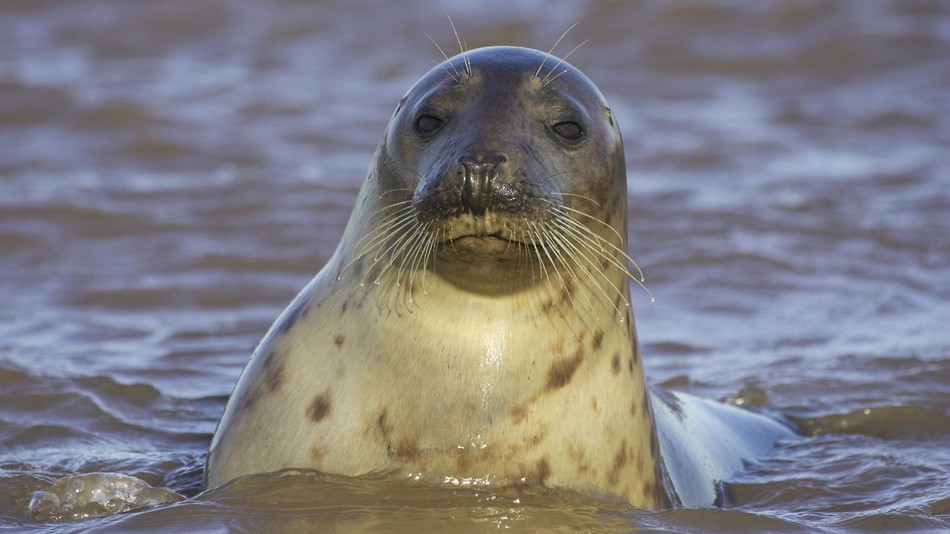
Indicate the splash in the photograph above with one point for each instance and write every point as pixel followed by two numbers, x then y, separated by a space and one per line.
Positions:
pixel 96 495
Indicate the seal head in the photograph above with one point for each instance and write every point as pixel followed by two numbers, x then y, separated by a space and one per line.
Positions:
pixel 492 150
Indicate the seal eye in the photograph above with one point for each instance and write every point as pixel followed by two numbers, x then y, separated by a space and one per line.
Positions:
pixel 427 124
pixel 569 130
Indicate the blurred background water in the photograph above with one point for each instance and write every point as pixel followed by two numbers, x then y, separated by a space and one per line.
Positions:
pixel 172 173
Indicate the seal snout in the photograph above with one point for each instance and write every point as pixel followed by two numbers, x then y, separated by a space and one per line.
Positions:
pixel 479 171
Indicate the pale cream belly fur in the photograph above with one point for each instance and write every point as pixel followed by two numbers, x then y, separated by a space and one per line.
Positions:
pixel 454 387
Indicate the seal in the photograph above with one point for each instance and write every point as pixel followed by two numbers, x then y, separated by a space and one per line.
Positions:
pixel 474 324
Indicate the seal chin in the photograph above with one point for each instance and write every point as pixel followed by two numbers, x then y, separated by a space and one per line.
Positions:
pixel 488 264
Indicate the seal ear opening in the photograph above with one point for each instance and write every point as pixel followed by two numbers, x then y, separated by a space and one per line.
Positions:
pixel 400 104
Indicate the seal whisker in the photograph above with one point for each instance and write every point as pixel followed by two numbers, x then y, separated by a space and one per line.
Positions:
pixel 570 248
pixel 422 254
pixel 551 51
pixel 546 81
pixel 381 233
pixel 375 239
pixel 465 60
pixel 583 197
pixel 524 243
pixel 603 240
pixel 393 249
pixel 456 77
pixel 395 190
pixel 588 238
pixel 404 254
pixel 421 259
pixel 433 245
pixel 538 237
pixel 536 245
pixel 555 242
pixel 380 237
pixel 408 251
pixel 580 258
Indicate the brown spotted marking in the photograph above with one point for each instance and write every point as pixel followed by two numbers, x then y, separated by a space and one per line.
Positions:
pixel 577 455
pixel 317 453
pixel 594 405
pixel 291 318
pixel 519 414
pixel 615 363
pixel 406 450
pixel 535 440
pixel 382 427
pixel 565 296
pixel 273 371
pixel 375 271
pixel 561 372
pixel 319 409
pixel 598 340
pixel 543 470
pixel 620 460
pixel 338 340
pixel 649 489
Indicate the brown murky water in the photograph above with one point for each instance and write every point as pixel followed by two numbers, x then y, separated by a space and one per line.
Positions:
pixel 172 173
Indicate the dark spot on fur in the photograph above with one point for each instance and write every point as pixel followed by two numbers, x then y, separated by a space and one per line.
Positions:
pixel 344 306
pixel 543 470
pixel 593 404
pixel 406 450
pixel 561 372
pixel 565 296
pixel 536 439
pixel 649 491
pixel 320 407
pixel 247 402
pixel 620 460
pixel 382 427
pixel 615 363
pixel 374 272
pixel 339 339
pixel 619 303
pixel 576 454
pixel 598 339
pixel 273 371
pixel 654 444
pixel 634 408
pixel 291 318
pixel 547 307
pixel 317 453
pixel 519 414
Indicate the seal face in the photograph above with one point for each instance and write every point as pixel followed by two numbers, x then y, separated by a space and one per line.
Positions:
pixel 473 325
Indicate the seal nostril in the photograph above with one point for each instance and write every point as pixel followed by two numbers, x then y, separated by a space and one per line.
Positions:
pixel 479 171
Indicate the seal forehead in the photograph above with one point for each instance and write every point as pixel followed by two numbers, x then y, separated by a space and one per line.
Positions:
pixel 504 65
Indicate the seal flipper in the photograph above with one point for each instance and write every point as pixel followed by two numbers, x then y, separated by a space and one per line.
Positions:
pixel 703 442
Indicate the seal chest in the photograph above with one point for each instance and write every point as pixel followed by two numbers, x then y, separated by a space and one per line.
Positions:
pixel 474 323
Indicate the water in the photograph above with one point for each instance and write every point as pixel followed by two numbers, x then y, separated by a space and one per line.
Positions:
pixel 172 173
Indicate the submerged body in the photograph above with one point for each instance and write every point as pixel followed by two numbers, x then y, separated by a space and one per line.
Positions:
pixel 474 323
